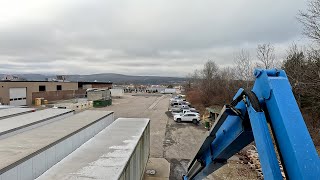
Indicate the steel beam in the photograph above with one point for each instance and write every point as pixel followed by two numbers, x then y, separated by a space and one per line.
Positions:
pixel 300 158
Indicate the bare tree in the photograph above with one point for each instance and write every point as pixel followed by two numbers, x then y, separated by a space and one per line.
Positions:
pixel 212 85
pixel 266 56
pixel 294 67
pixel 243 66
pixel 210 73
pixel 314 58
pixel 294 64
pixel 193 79
pixel 228 83
pixel 303 70
pixel 210 70
pixel 228 73
pixel 311 20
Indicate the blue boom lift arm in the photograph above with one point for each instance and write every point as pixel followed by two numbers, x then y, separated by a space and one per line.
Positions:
pixel 246 119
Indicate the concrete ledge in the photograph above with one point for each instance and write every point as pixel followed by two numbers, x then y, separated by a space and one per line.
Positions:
pixel 120 151
pixel 18 124
pixel 31 153
pixel 10 112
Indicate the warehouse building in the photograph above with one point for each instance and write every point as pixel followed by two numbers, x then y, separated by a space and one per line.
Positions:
pixel 17 93
pixel 21 92
pixel 58 144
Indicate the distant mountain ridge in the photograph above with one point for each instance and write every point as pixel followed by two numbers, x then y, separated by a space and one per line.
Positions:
pixel 105 77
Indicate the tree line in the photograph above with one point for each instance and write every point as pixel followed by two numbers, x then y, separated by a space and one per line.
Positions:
pixel 215 85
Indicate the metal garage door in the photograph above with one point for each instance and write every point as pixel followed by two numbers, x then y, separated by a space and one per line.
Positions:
pixel 18 96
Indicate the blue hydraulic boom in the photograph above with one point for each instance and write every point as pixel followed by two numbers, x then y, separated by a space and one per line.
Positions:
pixel 246 119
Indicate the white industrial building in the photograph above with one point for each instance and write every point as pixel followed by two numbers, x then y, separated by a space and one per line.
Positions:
pixel 117 92
pixel 89 144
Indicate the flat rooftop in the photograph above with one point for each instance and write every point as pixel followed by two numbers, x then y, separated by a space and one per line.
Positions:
pixel 17 122
pixel 5 107
pixel 20 147
pixel 4 113
pixel 104 156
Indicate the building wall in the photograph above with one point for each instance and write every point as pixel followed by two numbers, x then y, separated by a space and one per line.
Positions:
pixel 87 86
pixel 32 87
pixel 98 95
pixel 58 95
pixel 100 85
pixel 117 92
pixel 105 86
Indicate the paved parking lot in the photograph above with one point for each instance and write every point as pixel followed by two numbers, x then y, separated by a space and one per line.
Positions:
pixel 172 144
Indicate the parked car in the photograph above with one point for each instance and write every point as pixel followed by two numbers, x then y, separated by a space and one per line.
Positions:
pixel 176 112
pixel 175 109
pixel 185 103
pixel 189 116
pixel 176 98
pixel 187 107
pixel 184 111
pixel 194 110
pixel 173 99
pixel 176 104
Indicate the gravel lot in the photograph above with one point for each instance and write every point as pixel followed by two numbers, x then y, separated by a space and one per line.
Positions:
pixel 175 142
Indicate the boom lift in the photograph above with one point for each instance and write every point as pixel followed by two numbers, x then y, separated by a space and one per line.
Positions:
pixel 246 119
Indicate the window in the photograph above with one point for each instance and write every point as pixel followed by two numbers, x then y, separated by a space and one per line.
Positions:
pixel 59 87
pixel 42 88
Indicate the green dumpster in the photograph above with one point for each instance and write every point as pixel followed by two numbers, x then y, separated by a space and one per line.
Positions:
pixel 102 103
pixel 109 102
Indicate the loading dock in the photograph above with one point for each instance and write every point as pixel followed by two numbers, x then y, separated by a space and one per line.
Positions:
pixel 18 96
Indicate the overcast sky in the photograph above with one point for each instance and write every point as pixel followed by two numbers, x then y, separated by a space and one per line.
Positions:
pixel 139 37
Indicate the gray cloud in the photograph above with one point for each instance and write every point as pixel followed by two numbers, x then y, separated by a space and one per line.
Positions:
pixel 143 37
